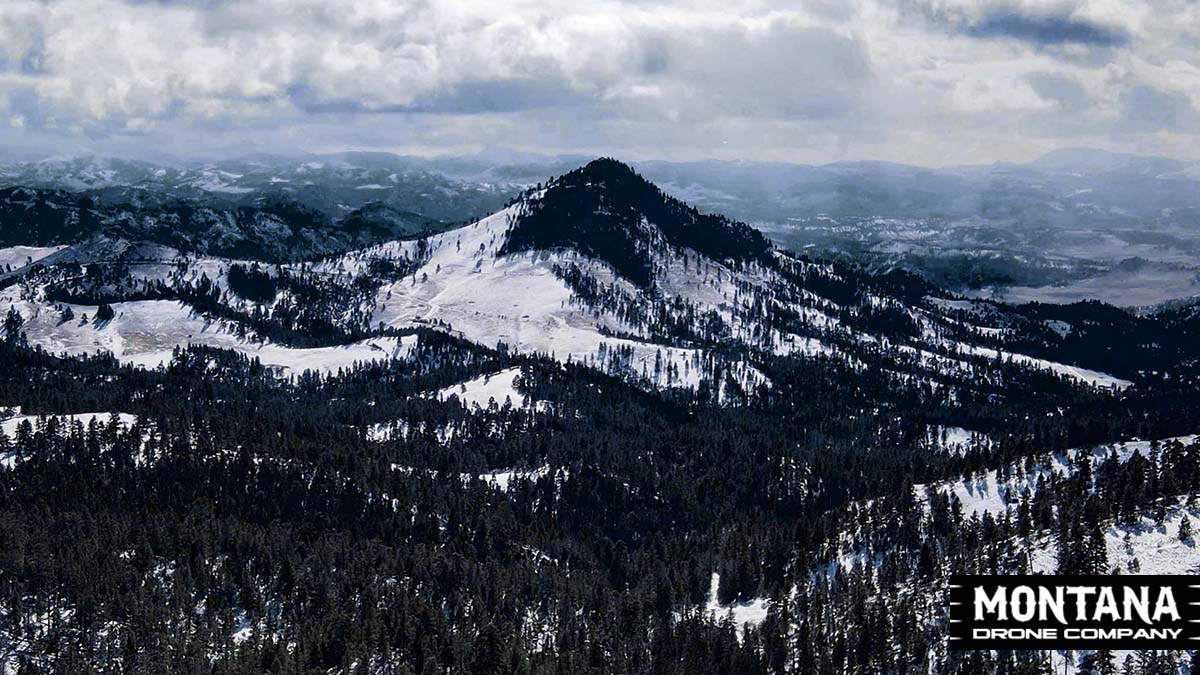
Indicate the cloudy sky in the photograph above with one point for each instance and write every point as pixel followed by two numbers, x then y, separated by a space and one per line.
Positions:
pixel 930 82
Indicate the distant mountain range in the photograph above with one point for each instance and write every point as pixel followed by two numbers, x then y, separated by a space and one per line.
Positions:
pixel 1063 188
pixel 1071 225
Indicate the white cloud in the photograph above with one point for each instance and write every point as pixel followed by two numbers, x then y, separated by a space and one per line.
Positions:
pixel 928 81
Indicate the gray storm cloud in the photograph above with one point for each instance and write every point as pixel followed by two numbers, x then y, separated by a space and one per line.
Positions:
pixel 924 81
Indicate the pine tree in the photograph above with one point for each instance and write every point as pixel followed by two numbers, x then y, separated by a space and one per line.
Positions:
pixel 1096 561
pixel 105 313
pixel 13 321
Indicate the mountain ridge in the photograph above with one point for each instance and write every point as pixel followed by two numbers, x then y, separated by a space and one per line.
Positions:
pixel 605 222
pixel 682 298
pixel 1057 229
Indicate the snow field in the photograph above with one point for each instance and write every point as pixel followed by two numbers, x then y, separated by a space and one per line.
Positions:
pixel 146 332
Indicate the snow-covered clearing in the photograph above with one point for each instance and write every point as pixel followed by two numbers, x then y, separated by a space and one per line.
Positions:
pixel 484 389
pixel 956 440
pixel 750 612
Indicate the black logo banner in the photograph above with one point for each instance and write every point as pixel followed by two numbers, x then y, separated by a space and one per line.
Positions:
pixel 1074 612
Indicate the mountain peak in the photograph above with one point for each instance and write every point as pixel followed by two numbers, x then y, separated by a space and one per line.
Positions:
pixel 608 211
pixel 608 166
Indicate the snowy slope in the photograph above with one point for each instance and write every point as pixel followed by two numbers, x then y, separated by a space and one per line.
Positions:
pixel 481 391
pixel 995 491
pixel 1141 547
pixel 19 256
pixel 145 333
pixel 1137 548
pixel 514 299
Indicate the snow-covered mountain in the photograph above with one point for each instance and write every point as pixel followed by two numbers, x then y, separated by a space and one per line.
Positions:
pixel 600 267
pixel 596 426
pixel 1075 224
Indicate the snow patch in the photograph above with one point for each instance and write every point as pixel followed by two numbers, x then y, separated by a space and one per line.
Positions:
pixel 501 480
pixel 1084 375
pixel 750 612
pixel 482 390
pixel 124 419
pixel 996 490
pixel 955 440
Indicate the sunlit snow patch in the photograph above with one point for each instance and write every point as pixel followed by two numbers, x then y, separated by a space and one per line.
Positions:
pixel 955 440
pixel 486 388
pixel 501 480
pixel 481 391
pixel 751 612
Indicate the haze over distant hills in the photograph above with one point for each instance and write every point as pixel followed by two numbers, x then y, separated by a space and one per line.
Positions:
pixel 1073 224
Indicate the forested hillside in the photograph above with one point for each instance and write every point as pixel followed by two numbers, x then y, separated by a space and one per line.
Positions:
pixel 597 431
